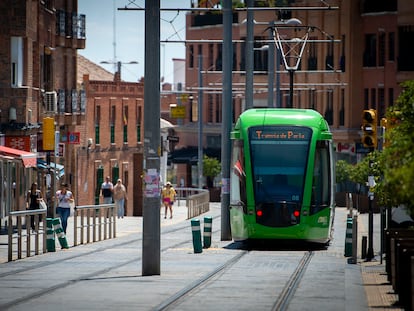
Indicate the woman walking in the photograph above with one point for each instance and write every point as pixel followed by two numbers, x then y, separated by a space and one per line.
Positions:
pixel 33 198
pixel 120 196
pixel 64 198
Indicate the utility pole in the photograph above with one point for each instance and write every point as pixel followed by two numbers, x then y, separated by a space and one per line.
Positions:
pixel 371 183
pixel 249 54
pixel 227 120
pixel 200 121
pixel 151 246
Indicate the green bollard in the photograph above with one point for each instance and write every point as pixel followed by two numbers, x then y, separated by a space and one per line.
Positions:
pixel 50 236
pixel 348 238
pixel 208 222
pixel 59 233
pixel 195 228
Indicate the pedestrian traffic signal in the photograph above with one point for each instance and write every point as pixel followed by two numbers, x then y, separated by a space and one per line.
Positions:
pixel 369 128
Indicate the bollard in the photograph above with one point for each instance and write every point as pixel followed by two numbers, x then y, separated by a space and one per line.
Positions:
pixel 195 228
pixel 57 226
pixel 364 247
pixel 50 236
pixel 208 222
pixel 348 237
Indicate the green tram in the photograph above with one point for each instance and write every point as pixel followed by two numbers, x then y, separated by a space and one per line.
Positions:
pixel 282 176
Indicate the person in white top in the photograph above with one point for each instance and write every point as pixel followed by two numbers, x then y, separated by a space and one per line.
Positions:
pixel 64 197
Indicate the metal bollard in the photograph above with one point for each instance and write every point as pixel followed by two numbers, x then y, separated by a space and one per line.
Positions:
pixel 50 236
pixel 348 238
pixel 364 247
pixel 195 228
pixel 208 222
pixel 57 226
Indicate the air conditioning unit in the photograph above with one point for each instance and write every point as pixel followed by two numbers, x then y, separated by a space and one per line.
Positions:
pixel 51 102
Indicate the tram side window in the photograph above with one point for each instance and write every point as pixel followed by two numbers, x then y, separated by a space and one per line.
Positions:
pixel 238 175
pixel 321 196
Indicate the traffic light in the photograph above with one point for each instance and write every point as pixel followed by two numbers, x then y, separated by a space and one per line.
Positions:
pixel 369 128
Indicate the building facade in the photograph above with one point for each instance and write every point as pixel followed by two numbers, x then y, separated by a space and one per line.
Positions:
pixel 38 50
pixel 355 57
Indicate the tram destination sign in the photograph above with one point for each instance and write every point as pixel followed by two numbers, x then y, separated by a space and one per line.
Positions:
pixel 281 133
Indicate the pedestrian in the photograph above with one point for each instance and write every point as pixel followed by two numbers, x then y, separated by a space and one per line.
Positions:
pixel 168 197
pixel 107 189
pixel 120 196
pixel 33 197
pixel 64 198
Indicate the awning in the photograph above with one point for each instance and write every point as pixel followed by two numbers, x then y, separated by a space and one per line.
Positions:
pixel 28 158
pixel 58 168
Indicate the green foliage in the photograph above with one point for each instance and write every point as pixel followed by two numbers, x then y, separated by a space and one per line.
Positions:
pixel 211 169
pixel 398 157
pixel 342 171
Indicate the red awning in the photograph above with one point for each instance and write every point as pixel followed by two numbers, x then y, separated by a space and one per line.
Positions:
pixel 28 158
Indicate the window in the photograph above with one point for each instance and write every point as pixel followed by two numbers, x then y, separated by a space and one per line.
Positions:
pixel 342 110
pixel 329 61
pixel 97 122
pixel 139 123
pixel 238 175
pixel 366 98
pixel 279 157
pixel 390 96
pixel 321 184
pixel 391 46
pixel 219 57
pixel 374 98
pixel 370 52
pixel 342 59
pixel 405 39
pixel 16 61
pixel 125 123
pixel 210 56
pixel 312 55
pixel 191 56
pixel 112 124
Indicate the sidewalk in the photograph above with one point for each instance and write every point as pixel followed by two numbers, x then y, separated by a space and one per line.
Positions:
pixel 379 292
pixel 124 227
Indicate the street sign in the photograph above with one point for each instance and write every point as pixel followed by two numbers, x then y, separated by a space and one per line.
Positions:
pixel 178 112
pixel 174 139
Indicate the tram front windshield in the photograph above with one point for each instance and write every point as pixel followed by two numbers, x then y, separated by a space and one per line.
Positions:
pixel 279 156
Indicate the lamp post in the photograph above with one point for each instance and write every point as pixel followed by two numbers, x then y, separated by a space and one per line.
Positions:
pixel 119 64
pixel 295 47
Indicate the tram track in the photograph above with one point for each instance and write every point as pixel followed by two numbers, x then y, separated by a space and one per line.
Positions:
pixel 291 286
pixel 281 302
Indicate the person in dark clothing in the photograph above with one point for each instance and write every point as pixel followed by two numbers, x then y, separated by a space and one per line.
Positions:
pixel 34 195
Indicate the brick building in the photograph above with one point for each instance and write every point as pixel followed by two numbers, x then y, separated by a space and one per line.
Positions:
pixel 38 50
pixel 356 56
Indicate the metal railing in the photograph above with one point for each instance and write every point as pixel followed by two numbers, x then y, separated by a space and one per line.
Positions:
pixel 94 223
pixel 197 200
pixel 19 229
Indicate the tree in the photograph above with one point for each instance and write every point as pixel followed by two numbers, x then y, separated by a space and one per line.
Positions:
pixel 398 156
pixel 211 169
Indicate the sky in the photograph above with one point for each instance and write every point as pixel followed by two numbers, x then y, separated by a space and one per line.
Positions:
pixel 130 35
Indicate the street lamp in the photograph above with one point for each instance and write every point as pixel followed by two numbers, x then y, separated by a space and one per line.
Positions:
pixel 119 64
pixel 292 55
